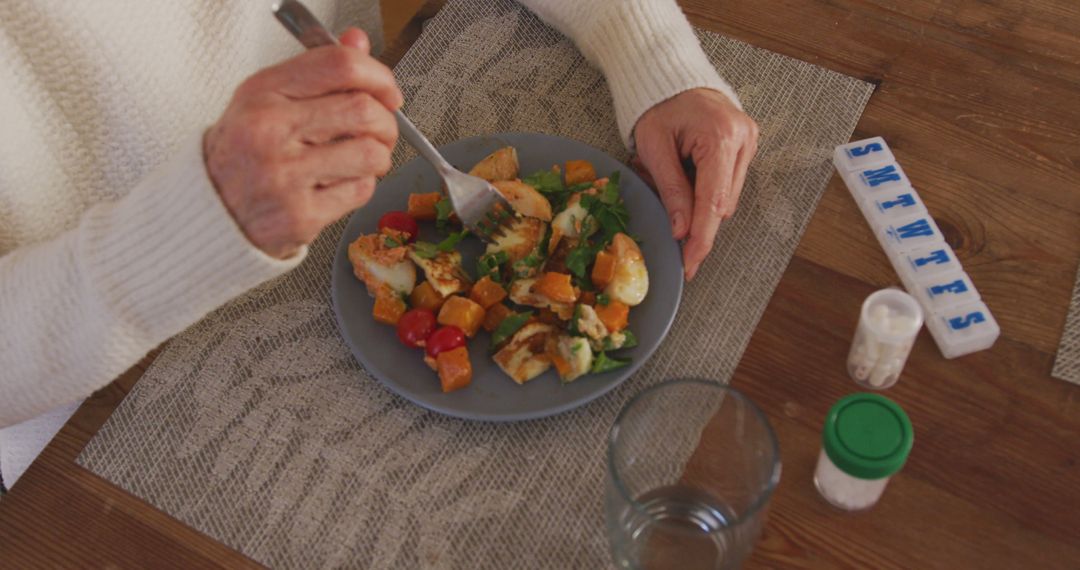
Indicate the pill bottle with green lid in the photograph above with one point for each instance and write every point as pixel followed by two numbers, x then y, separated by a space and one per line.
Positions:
pixel 867 438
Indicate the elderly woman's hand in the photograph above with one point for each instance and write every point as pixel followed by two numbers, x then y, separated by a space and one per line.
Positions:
pixel 302 142
pixel 704 126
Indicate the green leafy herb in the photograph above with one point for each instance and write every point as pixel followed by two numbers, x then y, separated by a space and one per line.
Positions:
pixel 447 245
pixel 545 181
pixel 630 341
pixel 579 258
pixel 425 250
pixel 603 299
pixel 604 363
pixel 573 328
pixel 549 183
pixel 575 348
pixel 579 187
pixel 443 209
pixel 391 242
pixel 490 265
pixel 610 193
pixel 508 327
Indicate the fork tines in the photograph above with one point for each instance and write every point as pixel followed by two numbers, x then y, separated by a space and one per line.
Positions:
pixel 494 221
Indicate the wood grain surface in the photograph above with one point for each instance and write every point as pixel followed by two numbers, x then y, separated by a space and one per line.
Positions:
pixel 980 101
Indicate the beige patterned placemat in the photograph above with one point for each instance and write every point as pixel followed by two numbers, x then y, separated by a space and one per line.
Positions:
pixel 259 429
pixel 1067 362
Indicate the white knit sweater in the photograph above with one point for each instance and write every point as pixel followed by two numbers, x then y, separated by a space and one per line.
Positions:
pixel 112 238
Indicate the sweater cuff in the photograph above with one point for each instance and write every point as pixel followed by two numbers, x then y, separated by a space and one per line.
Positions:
pixel 649 53
pixel 170 252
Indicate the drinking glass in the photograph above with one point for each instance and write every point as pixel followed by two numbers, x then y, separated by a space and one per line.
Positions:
pixel 691 467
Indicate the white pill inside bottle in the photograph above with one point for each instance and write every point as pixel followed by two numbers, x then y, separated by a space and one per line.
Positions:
pixel 889 321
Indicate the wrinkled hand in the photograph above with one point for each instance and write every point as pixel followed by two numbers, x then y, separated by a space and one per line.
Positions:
pixel 302 142
pixel 704 126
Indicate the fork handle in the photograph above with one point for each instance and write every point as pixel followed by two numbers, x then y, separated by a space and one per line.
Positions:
pixel 302 24
pixel 421 143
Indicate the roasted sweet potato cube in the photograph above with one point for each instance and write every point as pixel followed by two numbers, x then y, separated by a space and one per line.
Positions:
pixel 462 313
pixel 556 286
pixel 487 292
pixel 424 296
pixel 614 315
pixel 603 269
pixel 422 206
pixel 388 308
pixel 578 171
pixel 495 315
pixel 455 370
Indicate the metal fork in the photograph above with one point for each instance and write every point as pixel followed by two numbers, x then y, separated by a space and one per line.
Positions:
pixel 481 208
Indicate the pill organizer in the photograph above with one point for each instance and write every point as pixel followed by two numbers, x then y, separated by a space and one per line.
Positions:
pixel 954 312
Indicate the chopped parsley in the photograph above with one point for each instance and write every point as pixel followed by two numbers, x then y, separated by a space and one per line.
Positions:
pixel 603 299
pixel 425 250
pixel 604 363
pixel 490 265
pixel 392 242
pixel 428 250
pixel 508 328
pixel 443 209
pixel 549 183
pixel 630 341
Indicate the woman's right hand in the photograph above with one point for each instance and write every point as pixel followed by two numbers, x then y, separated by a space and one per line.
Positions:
pixel 302 142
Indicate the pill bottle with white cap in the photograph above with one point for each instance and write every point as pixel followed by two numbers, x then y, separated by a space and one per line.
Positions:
pixel 889 321
pixel 866 440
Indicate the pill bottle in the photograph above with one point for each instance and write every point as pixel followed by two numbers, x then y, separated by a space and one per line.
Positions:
pixel 866 439
pixel 889 321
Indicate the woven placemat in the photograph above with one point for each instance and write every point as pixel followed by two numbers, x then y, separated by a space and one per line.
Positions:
pixel 1067 362
pixel 259 429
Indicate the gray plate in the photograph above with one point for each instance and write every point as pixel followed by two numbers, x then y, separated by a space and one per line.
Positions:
pixel 493 396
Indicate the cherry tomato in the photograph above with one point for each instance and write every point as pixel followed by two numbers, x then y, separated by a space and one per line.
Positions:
pixel 401 222
pixel 415 326
pixel 446 338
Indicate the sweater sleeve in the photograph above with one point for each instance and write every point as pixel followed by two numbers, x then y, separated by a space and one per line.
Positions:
pixel 645 48
pixel 83 307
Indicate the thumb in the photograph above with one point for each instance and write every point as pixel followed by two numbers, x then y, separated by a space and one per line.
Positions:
pixel 356 38
pixel 663 163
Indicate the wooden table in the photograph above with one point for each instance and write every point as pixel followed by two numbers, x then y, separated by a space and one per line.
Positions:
pixel 981 102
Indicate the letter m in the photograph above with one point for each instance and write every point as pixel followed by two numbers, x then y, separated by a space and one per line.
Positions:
pixel 880 176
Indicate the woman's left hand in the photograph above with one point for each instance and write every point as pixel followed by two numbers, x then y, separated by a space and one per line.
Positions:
pixel 704 126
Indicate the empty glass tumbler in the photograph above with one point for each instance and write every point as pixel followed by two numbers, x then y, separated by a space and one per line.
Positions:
pixel 691 467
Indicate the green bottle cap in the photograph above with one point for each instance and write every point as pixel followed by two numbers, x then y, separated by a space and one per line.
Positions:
pixel 867 436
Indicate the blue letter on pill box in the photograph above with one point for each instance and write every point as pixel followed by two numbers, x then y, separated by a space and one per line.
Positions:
pixel 894 205
pixel 883 178
pixel 963 329
pixel 930 260
pixel 908 233
pixel 944 290
pixel 862 154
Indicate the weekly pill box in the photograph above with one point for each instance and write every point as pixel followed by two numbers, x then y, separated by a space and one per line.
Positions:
pixel 958 320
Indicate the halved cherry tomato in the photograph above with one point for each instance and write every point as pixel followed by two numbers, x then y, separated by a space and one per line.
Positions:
pixel 446 338
pixel 401 222
pixel 415 326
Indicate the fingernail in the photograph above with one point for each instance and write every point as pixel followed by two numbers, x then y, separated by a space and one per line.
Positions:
pixel 677 224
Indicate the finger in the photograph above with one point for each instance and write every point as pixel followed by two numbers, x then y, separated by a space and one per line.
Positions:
pixel 337 200
pixel 715 171
pixel 662 160
pixel 325 70
pixel 345 115
pixel 356 38
pixel 329 164
pixel 742 167
pixel 642 171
